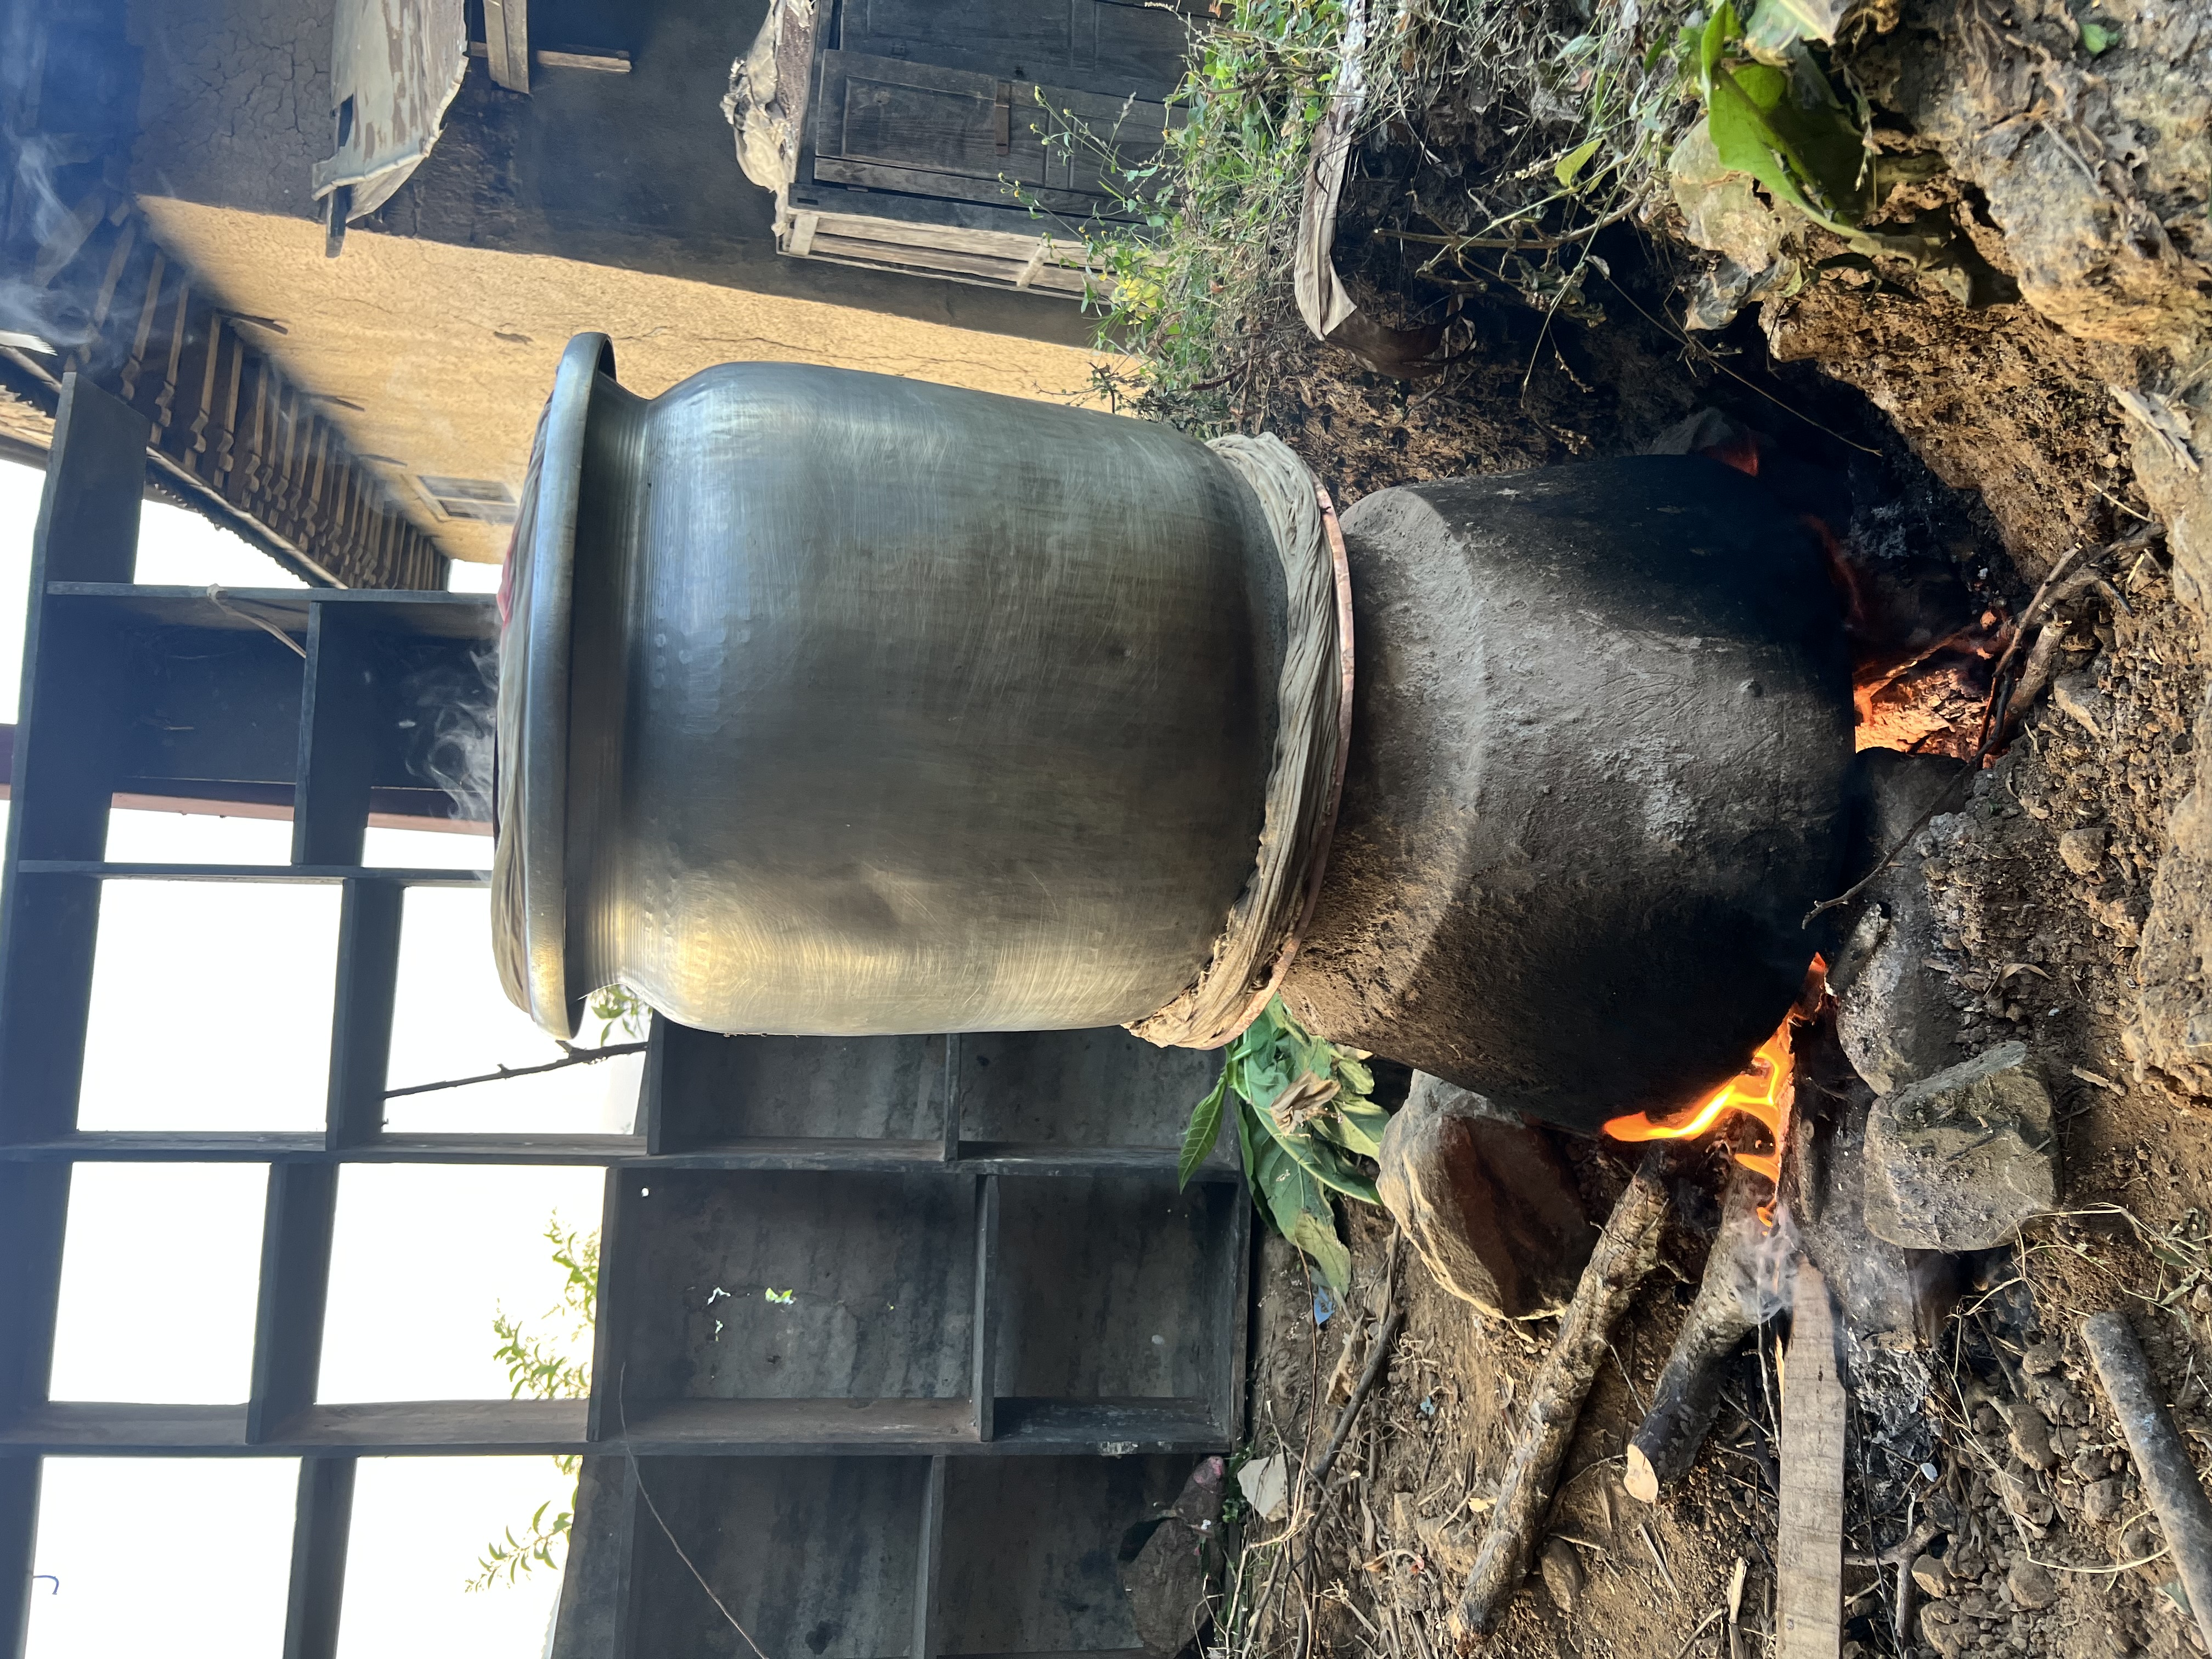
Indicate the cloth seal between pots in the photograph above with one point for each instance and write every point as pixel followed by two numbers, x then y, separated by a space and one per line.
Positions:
pixel 1313 731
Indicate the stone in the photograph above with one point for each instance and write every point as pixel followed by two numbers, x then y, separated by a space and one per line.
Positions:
pixel 1932 1576
pixel 2100 1500
pixel 2082 850
pixel 1894 1012
pixel 1957 1160
pixel 1487 1202
pixel 2079 700
pixel 2041 1358
pixel 2031 1586
pixel 1563 1574
pixel 1266 1483
pixel 1167 1580
pixel 1898 1299
pixel 2031 1436
pixel 1946 1629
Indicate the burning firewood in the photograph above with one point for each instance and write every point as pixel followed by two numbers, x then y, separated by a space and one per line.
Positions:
pixel 1626 1253
pixel 1738 1290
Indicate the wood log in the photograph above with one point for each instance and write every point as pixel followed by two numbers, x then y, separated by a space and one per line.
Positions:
pixel 1808 1555
pixel 1730 1305
pixel 1626 1253
pixel 2168 1476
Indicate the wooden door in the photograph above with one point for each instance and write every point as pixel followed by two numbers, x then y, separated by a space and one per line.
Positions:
pixel 900 124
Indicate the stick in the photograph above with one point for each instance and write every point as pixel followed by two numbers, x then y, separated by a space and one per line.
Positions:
pixel 1728 1308
pixel 1367 1379
pixel 569 1057
pixel 1808 1567
pixel 2161 1459
pixel 1626 1252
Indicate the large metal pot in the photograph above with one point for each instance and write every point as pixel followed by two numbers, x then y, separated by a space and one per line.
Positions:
pixel 1601 737
pixel 836 704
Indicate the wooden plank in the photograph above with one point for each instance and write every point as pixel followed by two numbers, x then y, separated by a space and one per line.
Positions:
pixel 607 61
pixel 296 1275
pixel 87 530
pixel 1232 1266
pixel 595 1612
pixel 618 1253
pixel 984 1370
pixel 506 41
pixel 1108 1428
pixel 407 1428
pixel 340 729
pixel 1809 1552
pixel 769 1427
pixel 322 1521
pixel 18 1537
pixel 323 874
pixel 427 611
pixel 361 1023
pixel 33 1215
pixel 929 1565
pixel 947 1082
pixel 652 1097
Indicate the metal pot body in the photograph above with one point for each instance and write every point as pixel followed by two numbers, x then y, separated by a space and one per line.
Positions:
pixel 1602 736
pixel 896 707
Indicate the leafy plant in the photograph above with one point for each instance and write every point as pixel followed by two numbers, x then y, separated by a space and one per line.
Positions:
pixel 1303 1110
pixel 1786 128
pixel 619 1010
pixel 552 1364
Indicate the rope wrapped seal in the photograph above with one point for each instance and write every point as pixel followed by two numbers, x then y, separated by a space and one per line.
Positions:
pixel 1313 729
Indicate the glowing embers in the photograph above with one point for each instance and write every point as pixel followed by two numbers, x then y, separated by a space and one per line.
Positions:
pixel 1763 1092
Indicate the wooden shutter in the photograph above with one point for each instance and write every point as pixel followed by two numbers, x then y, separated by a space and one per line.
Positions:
pixel 887 124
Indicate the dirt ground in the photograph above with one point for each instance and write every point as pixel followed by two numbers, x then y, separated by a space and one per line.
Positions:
pixel 1962 453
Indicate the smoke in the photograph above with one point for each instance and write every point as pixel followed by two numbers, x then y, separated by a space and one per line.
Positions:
pixel 456 740
pixel 1763 1263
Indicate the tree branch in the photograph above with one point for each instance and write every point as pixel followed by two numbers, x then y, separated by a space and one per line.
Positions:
pixel 569 1057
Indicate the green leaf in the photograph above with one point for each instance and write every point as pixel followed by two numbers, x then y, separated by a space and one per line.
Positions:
pixel 1354 1074
pixel 1748 110
pixel 1571 164
pixel 1720 28
pixel 2097 39
pixel 1362 1123
pixel 1319 1162
pixel 1204 1130
pixel 1778 25
pixel 1316 1234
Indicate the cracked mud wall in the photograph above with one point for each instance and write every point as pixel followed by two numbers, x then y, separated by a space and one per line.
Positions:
pixel 448 352
pixel 233 101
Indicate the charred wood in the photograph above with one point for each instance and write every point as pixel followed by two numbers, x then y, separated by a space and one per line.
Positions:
pixel 1626 1253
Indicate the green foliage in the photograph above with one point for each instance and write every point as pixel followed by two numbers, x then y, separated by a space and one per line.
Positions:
pixel 510 1559
pixel 1207 225
pixel 1302 1113
pixel 550 1364
pixel 1191 287
pixel 619 1012
pixel 1787 129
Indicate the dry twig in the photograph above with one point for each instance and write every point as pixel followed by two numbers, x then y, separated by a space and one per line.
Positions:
pixel 1626 1253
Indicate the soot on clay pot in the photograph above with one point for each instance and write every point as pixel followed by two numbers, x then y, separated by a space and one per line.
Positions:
pixel 1602 745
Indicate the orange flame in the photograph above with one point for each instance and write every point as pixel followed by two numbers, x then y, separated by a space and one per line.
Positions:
pixel 1764 1091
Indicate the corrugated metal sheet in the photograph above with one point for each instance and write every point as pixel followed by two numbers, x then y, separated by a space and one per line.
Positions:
pixel 397 63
